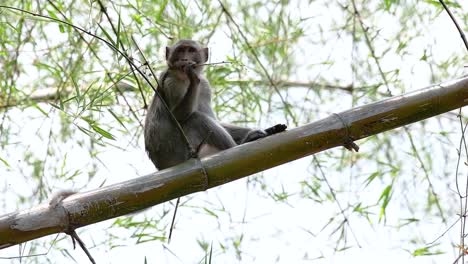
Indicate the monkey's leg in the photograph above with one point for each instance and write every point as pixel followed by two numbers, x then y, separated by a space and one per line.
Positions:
pixel 238 133
pixel 243 135
pixel 206 134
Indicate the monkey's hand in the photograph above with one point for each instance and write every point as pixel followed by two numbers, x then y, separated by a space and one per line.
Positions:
pixel 189 69
pixel 276 129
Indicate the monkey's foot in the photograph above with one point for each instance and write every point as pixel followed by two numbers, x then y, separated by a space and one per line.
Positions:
pixel 276 129
pixel 350 145
pixel 254 135
pixel 258 134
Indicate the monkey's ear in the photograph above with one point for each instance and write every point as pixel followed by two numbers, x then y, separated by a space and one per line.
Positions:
pixel 205 54
pixel 168 50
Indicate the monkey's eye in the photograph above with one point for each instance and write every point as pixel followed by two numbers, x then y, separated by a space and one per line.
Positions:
pixel 192 49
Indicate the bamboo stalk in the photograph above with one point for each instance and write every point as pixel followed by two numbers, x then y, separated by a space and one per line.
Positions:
pixel 86 208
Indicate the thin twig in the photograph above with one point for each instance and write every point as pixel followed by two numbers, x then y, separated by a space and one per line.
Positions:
pixel 214 63
pixel 463 206
pixel 173 220
pixel 462 35
pixel 445 232
pixel 74 237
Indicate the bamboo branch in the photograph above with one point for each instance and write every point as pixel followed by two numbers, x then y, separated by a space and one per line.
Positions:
pixel 86 208
pixel 52 95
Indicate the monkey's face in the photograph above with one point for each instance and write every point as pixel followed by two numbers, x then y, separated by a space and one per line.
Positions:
pixel 186 52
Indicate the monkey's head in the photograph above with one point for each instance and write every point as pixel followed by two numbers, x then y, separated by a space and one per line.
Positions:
pixel 186 52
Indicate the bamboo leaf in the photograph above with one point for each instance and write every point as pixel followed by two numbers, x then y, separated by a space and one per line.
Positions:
pixel 102 132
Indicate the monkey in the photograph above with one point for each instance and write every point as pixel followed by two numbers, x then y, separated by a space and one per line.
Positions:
pixel 187 94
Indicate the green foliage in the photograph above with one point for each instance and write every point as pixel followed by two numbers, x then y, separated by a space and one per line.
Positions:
pixel 427 251
pixel 72 111
pixel 384 199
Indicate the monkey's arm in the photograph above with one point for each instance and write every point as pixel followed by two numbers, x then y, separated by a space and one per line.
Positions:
pixel 189 103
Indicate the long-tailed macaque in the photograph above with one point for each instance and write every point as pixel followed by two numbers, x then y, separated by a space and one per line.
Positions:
pixel 187 93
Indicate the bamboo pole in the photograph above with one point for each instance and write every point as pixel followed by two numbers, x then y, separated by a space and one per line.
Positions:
pixel 86 208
